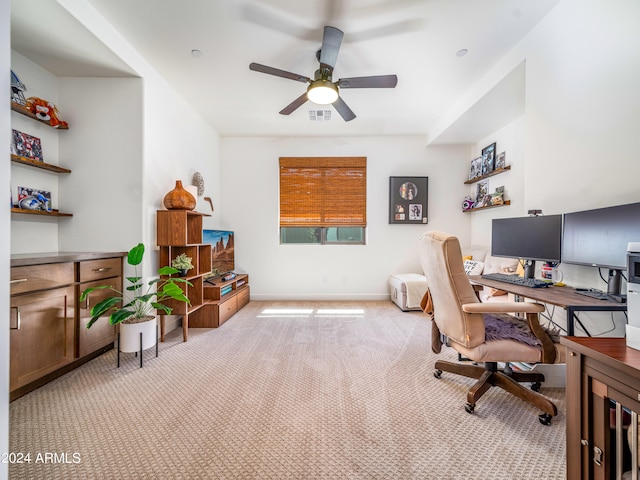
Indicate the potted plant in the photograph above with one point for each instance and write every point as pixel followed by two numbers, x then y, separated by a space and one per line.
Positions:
pixel 135 312
pixel 182 263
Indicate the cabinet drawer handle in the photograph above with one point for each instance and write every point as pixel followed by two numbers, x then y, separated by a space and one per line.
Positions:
pixel 19 280
pixel 103 269
pixel 17 327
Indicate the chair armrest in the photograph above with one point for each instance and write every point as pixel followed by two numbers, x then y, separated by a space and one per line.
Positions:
pixel 503 307
pixel 531 309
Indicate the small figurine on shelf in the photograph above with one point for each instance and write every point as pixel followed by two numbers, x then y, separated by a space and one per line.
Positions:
pixel 45 111
pixel 467 204
pixel 17 90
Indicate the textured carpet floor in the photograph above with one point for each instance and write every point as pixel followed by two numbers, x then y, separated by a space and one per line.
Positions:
pixel 284 390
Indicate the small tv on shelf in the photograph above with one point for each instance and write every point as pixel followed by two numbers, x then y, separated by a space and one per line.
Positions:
pixel 222 250
pixel 528 238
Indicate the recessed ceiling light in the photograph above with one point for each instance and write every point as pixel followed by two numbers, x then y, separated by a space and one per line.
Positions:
pixel 462 52
pixel 196 53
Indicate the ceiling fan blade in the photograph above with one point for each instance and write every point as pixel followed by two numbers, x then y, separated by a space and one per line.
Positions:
pixel 378 81
pixel 331 41
pixel 298 102
pixel 343 109
pixel 256 67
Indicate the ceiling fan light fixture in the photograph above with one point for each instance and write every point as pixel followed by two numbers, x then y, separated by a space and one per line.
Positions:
pixel 322 92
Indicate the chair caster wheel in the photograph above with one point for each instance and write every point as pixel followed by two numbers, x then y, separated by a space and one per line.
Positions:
pixel 437 373
pixel 545 419
pixel 470 407
pixel 536 386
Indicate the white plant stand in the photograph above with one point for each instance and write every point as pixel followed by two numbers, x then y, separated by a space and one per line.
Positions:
pixel 137 337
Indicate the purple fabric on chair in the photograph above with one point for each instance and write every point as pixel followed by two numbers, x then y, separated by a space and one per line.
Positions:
pixel 506 327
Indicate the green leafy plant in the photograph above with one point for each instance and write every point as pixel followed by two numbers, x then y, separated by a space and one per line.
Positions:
pixel 182 262
pixel 141 301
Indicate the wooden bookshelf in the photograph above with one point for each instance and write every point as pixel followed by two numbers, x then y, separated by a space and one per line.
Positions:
pixel 28 113
pixel 52 213
pixel 38 164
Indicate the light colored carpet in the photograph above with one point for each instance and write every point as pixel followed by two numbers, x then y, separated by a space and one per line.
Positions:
pixel 284 390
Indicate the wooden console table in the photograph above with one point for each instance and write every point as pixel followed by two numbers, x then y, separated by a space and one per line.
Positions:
pixel 603 389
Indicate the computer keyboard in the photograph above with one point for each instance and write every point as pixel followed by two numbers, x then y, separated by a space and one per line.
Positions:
pixel 517 280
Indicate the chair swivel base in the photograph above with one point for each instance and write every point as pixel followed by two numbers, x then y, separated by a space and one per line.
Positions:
pixel 489 376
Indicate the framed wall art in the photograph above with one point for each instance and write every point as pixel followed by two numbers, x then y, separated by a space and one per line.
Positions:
pixel 408 200
pixel 26 146
pixel 488 158
pixel 476 168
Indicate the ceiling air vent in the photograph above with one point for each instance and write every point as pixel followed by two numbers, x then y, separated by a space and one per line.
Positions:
pixel 319 115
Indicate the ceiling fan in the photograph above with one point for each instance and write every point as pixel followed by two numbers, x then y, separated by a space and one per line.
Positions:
pixel 322 89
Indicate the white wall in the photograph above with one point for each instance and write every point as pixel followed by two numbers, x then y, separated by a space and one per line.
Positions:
pixel 103 149
pixel 250 189
pixel 5 233
pixel 579 134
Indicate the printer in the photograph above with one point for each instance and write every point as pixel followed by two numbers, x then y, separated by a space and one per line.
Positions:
pixel 633 295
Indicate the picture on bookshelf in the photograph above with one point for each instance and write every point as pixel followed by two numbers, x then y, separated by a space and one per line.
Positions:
pixel 482 191
pixel 33 199
pixel 476 168
pixel 27 146
pixel 500 161
pixel 488 158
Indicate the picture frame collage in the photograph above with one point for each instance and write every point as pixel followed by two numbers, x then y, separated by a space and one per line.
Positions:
pixel 480 168
pixel 487 162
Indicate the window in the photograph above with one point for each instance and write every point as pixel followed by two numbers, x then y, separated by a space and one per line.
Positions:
pixel 323 200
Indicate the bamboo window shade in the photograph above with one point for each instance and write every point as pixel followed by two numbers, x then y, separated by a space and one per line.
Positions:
pixel 323 191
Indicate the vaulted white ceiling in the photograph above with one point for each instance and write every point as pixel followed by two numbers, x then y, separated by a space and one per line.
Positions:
pixel 415 39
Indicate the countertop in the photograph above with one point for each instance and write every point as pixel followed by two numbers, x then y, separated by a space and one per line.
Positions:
pixel 26 259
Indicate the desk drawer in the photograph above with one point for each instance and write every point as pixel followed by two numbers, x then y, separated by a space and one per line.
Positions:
pixel 41 277
pixel 91 270
pixel 226 309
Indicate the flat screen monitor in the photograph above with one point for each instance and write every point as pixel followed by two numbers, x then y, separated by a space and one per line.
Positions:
pixel 529 238
pixel 599 238
pixel 222 250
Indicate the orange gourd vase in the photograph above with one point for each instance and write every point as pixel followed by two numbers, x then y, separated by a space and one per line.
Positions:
pixel 179 198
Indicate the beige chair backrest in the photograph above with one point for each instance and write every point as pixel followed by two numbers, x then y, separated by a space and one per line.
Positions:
pixel 449 286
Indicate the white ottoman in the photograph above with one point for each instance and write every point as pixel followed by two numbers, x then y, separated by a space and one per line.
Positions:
pixel 407 290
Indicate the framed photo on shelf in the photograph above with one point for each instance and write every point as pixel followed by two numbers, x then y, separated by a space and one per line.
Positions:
pixel 33 199
pixel 500 161
pixel 476 168
pixel 408 200
pixel 27 146
pixel 488 158
pixel 482 191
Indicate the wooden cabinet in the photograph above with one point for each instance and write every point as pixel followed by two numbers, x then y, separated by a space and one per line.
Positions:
pixel 42 334
pixel 93 273
pixel 180 231
pixel 224 299
pixel 603 402
pixel 47 326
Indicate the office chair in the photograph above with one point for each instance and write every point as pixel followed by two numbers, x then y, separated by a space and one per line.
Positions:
pixel 483 332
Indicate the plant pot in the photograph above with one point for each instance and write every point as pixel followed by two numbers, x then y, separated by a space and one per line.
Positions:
pixel 130 335
pixel 183 272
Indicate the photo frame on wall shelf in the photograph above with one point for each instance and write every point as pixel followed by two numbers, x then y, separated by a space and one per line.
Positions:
pixel 488 158
pixel 408 200
pixel 475 169
pixel 27 146
pixel 34 199
pixel 500 161
pixel 482 191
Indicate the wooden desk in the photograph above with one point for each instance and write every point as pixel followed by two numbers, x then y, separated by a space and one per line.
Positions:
pixel 564 297
pixel 601 373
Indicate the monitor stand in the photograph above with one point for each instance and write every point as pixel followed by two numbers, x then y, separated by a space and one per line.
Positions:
pixel 614 292
pixel 529 269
